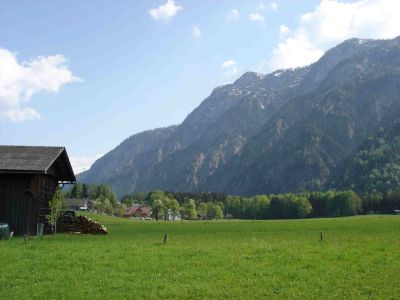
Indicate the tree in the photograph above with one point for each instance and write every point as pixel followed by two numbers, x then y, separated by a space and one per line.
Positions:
pixel 67 194
pixel 202 210
pixel 103 205
pixel 55 205
pixel 190 210
pixel 84 191
pixel 78 191
pixel 165 206
pixel 248 208
pixel 345 204
pixel 157 208
pixel 234 206
pixel 303 207
pixel 127 200
pixel 91 190
pixel 321 203
pixel 106 191
pixel 290 206
pixel 216 211
pixel 108 208
pixel 99 204
pixel 174 207
pixel 156 195
pixel 99 191
pixel 372 202
pixel 263 203
pixel 119 209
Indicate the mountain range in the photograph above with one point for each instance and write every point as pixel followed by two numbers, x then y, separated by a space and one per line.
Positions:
pixel 287 131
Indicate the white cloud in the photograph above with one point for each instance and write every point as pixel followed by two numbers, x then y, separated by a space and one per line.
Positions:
pixel 165 12
pixel 83 163
pixel 332 22
pixel 272 6
pixel 20 81
pixel 283 30
pixel 228 64
pixel 196 32
pixel 233 14
pixel 230 67
pixel 295 51
pixel 256 17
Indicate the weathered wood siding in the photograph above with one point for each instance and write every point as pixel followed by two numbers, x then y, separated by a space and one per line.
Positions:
pixel 43 188
pixel 24 201
pixel 14 202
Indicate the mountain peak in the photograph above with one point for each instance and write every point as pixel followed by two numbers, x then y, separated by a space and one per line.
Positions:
pixel 284 131
pixel 248 79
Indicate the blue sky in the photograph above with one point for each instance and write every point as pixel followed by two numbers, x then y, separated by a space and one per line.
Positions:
pixel 88 74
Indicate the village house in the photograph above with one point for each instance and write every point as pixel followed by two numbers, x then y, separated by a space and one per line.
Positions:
pixel 138 211
pixel 172 216
pixel 80 204
pixel 29 177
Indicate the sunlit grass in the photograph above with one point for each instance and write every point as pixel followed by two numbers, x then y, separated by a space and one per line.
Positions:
pixel 357 258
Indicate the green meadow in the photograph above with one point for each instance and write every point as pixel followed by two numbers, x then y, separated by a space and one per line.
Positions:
pixel 359 258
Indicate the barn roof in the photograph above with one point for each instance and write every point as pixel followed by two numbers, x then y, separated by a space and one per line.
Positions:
pixel 145 209
pixel 131 210
pixel 52 161
pixel 137 209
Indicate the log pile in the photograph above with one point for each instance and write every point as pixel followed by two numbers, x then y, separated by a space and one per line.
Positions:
pixel 80 224
pixel 89 226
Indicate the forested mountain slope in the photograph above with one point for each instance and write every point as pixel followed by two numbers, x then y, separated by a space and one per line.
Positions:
pixel 375 168
pixel 290 130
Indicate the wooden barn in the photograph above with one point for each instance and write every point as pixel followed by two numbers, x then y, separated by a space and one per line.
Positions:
pixel 29 176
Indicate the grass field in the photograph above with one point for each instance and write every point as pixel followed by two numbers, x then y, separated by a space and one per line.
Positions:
pixel 358 258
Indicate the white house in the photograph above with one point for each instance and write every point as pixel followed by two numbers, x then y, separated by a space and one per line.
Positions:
pixel 173 217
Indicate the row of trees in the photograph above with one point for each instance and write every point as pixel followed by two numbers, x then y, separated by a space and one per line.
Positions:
pixel 381 202
pixel 104 206
pixel 102 197
pixel 284 206
pixel 216 205
pixel 164 205
pixel 281 206
pixel 91 191
pixel 331 204
pixel 181 197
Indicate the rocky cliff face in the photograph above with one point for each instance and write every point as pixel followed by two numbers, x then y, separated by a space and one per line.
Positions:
pixel 285 131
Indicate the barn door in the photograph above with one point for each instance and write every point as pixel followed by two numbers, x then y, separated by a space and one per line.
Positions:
pixel 15 204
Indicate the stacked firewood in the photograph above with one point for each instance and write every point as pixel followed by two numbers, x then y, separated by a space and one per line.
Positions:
pixel 80 224
pixel 87 225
